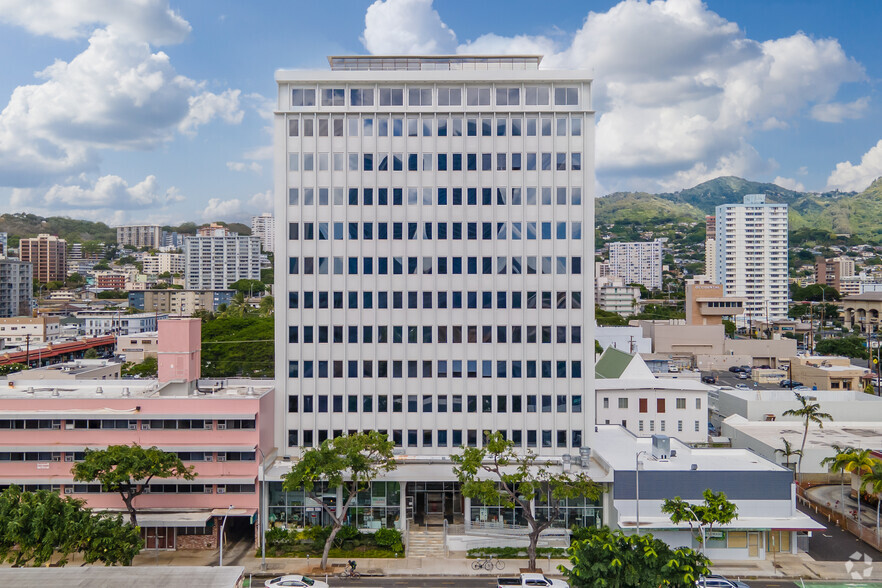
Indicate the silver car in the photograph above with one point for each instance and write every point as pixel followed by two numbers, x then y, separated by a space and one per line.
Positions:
pixel 714 581
pixel 294 581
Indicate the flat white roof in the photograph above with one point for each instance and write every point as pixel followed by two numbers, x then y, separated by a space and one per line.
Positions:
pixel 619 447
pixel 785 394
pixel 861 435
pixel 128 388
pixel 113 577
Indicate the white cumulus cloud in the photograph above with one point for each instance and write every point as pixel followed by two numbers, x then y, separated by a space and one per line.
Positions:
pixel 237 209
pixel 849 177
pixel 679 90
pixel 239 166
pixel 789 183
pixel 406 27
pixel 105 194
pixel 117 94
pixel 836 112
pixel 150 21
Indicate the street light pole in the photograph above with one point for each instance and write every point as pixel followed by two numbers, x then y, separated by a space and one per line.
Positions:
pixel 221 537
pixel 261 513
pixel 700 528
pixel 637 486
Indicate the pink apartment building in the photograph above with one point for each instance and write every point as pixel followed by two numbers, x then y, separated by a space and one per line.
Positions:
pixel 221 428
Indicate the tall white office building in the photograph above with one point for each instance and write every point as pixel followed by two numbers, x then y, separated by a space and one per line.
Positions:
pixel 638 262
pixel 434 260
pixel 213 263
pixel 264 227
pixel 751 257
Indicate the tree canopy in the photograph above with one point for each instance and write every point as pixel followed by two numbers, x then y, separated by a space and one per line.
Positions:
pixel 148 368
pixel 39 526
pixel 350 461
pixel 601 558
pixel 808 412
pixel 249 287
pixel 517 479
pixel 814 293
pixel 846 346
pixel 702 517
pixel 128 470
pixel 223 356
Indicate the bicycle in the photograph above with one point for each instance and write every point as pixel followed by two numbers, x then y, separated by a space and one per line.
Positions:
pixel 349 573
pixel 488 564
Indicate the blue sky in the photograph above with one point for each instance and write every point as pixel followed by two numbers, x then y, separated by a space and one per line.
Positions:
pixel 150 110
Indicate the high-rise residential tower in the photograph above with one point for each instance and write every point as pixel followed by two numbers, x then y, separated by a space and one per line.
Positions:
pixel 434 256
pixel 264 226
pixel 139 235
pixel 638 263
pixel 752 257
pixel 213 263
pixel 47 254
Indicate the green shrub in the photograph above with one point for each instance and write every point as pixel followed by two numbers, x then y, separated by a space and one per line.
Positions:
pixel 514 552
pixel 387 537
pixel 347 532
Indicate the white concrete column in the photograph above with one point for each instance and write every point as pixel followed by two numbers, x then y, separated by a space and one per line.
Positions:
pixel 402 507
pixel 339 508
pixel 467 512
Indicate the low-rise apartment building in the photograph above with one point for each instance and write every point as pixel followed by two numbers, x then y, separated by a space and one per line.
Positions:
pixel 160 263
pixel 176 302
pixel 110 280
pixel 137 348
pixel 824 372
pixel 613 295
pixel 16 287
pixel 21 330
pixel 113 322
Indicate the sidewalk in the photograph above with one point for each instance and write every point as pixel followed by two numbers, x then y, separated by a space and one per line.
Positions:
pixel 781 567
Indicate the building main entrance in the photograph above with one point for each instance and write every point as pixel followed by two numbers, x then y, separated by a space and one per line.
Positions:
pixel 430 503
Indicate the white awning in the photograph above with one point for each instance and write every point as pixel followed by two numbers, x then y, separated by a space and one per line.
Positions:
pixel 798 522
pixel 172 519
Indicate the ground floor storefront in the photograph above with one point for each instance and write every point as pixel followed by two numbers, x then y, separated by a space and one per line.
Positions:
pixel 386 504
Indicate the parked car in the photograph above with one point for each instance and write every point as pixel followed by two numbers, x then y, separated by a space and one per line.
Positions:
pixel 746 368
pixel 710 379
pixel 530 580
pixel 789 383
pixel 294 581
pixel 743 376
pixel 734 369
pixel 742 387
pixel 715 581
pixel 801 388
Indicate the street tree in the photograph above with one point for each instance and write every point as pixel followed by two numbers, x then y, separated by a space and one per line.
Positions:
pixel 497 474
pixel 858 462
pixel 351 462
pixel 601 558
pixel 248 287
pixel 41 526
pixel 715 510
pixel 787 452
pixel 808 412
pixel 128 470
pixel 836 463
pixel 845 346
pixel 872 479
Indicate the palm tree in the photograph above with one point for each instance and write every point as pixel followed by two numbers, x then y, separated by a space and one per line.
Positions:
pixel 858 462
pixel 809 412
pixel 836 463
pixel 873 479
pixel 787 452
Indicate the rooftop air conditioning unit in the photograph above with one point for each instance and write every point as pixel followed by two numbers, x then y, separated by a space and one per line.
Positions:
pixel 221 490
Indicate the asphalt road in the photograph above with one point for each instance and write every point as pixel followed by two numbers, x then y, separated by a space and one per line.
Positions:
pixel 469 582
pixel 727 378
pixel 835 544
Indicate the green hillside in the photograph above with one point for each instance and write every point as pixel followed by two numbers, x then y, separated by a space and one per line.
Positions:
pixel 814 217
pixel 23 225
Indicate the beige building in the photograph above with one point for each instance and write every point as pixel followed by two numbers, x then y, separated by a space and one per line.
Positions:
pixel 830 272
pixel 161 263
pixel 706 304
pixel 612 295
pixel 179 302
pixel 48 254
pixel 138 347
pixel 139 235
pixel 23 329
pixel 862 310
pixel 215 230
pixel 81 369
pixel 826 372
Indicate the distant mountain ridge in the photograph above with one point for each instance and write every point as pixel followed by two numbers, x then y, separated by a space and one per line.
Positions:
pixel 816 216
